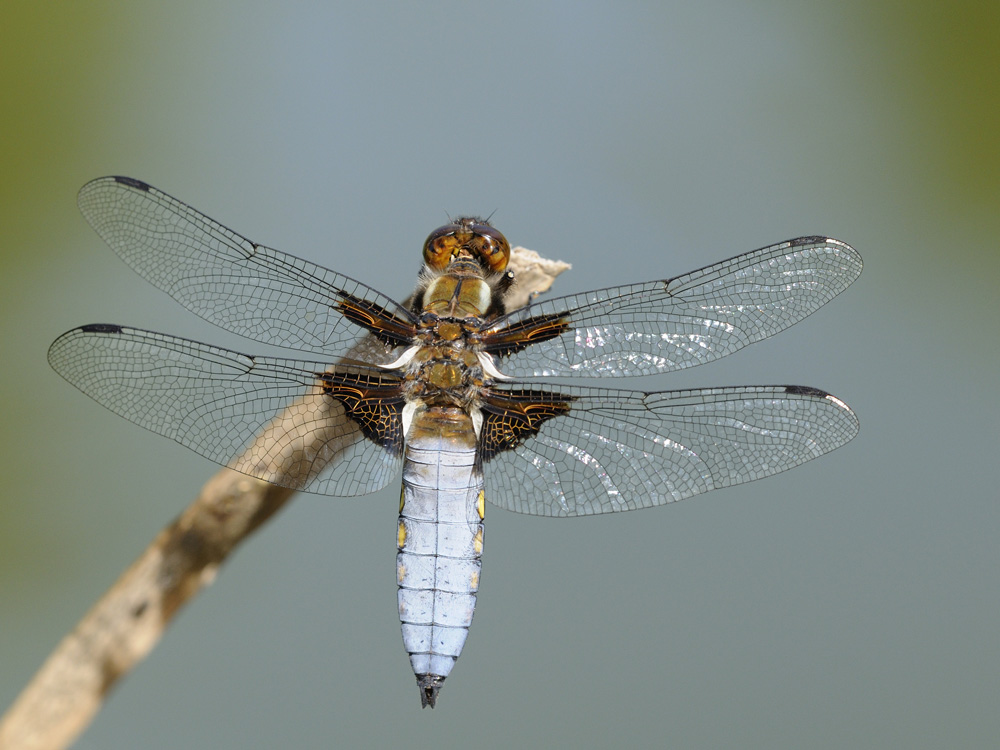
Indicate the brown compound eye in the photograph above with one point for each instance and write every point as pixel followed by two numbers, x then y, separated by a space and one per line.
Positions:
pixel 491 247
pixel 466 237
pixel 440 246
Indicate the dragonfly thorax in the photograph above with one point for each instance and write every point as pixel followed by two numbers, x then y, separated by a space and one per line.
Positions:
pixel 444 374
pixel 456 296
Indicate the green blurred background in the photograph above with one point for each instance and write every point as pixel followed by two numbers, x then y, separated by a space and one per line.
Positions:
pixel 850 603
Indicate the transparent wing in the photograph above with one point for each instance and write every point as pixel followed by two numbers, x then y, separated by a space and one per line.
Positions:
pixel 291 423
pixel 659 326
pixel 599 451
pixel 246 288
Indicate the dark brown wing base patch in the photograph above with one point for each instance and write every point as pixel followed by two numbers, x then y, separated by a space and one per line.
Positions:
pixel 512 416
pixel 524 333
pixel 375 318
pixel 374 402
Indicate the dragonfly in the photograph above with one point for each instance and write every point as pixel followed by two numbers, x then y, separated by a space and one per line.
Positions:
pixel 444 388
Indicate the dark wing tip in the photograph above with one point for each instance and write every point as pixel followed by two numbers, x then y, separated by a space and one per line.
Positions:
pixel 813 239
pixel 100 328
pixel 132 182
pixel 101 184
pixel 850 421
pixel 805 390
pixel 57 348
pixel 822 239
pixel 429 685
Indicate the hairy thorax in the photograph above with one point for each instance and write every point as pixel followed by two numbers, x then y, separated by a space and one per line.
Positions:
pixel 446 369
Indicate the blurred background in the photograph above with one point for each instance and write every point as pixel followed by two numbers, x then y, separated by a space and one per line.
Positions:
pixel 849 603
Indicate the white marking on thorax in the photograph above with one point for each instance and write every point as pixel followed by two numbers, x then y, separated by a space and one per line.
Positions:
pixel 403 360
pixel 409 409
pixel 477 420
pixel 485 296
pixel 489 368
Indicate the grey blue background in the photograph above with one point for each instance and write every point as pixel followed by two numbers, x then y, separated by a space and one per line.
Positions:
pixel 849 603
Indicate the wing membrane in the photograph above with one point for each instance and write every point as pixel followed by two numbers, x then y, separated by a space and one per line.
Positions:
pixel 613 450
pixel 304 425
pixel 659 326
pixel 243 287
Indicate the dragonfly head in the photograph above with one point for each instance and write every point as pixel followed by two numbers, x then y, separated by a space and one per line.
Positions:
pixel 467 237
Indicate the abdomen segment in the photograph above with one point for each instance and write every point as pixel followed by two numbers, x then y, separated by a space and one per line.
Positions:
pixel 440 541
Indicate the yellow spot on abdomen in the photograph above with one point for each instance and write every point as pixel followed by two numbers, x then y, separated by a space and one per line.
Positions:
pixel 477 541
pixel 481 505
pixel 473 580
pixel 401 573
pixel 401 534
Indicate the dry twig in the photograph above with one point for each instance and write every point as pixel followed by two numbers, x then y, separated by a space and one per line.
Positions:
pixel 131 617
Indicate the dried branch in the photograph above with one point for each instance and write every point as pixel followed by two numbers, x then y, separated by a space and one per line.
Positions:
pixel 131 617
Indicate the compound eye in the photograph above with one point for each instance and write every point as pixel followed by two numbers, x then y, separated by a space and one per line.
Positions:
pixel 491 247
pixel 440 246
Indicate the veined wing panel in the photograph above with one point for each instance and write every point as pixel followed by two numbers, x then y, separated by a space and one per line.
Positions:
pixel 660 326
pixel 238 285
pixel 304 425
pixel 614 450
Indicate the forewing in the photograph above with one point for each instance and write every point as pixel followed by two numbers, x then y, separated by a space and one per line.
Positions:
pixel 304 425
pixel 596 450
pixel 243 287
pixel 659 326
